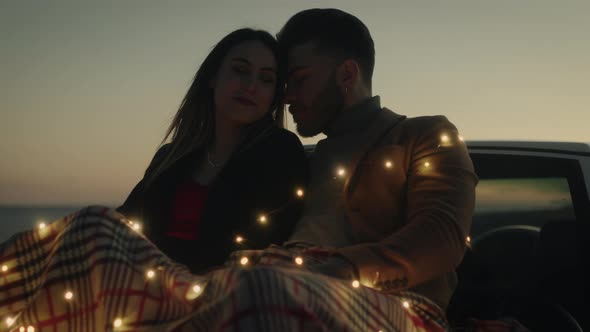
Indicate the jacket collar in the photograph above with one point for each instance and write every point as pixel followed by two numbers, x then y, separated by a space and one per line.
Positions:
pixel 384 122
pixel 355 119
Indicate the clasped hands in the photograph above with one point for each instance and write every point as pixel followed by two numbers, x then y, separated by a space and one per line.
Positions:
pixel 333 264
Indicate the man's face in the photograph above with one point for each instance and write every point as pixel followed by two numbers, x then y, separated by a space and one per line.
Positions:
pixel 313 96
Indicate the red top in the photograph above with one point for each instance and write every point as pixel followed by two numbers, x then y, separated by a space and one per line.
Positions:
pixel 187 207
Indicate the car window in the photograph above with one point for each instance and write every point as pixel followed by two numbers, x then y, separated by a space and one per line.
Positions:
pixel 521 201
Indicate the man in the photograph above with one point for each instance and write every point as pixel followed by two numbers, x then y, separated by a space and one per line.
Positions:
pixel 391 196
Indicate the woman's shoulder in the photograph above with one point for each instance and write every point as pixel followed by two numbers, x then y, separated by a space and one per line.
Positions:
pixel 158 157
pixel 281 136
pixel 282 144
pixel 161 152
pixel 164 148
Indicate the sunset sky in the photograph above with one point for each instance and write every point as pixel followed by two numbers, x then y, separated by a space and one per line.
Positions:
pixel 87 89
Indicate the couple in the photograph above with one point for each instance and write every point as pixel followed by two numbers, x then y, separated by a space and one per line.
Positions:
pixel 386 200
pixel 395 221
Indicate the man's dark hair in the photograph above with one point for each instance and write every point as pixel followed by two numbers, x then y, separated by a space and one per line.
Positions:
pixel 332 31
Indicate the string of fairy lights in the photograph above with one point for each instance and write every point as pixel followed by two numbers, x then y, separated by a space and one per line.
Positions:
pixel 196 289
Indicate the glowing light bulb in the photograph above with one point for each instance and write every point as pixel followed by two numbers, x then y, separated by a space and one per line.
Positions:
pixel 298 260
pixel 68 295
pixel 10 321
pixel 150 274
pixel 118 322
pixel 356 284
pixel 468 239
pixel 21 329
pixel 461 138
pixel 30 329
pixel 42 225
pixel 4 268
pixel 196 288
pixel 388 164
pixel 194 292
pixel 406 304
pixel 244 260
pixel 239 239
pixel 444 138
pixel 136 226
pixel 262 219
pixel 299 192
pixel 341 172
pixel 427 164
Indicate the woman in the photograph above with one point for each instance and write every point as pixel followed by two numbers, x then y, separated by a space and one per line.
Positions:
pixel 231 177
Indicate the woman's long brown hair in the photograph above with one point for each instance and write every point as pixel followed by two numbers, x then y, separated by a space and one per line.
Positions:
pixel 193 125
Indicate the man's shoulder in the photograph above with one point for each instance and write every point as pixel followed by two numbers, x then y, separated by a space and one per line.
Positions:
pixel 421 121
pixel 420 129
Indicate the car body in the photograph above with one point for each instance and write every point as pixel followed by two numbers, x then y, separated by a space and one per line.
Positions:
pixel 529 235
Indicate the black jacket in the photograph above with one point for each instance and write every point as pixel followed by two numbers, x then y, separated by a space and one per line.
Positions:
pixel 261 178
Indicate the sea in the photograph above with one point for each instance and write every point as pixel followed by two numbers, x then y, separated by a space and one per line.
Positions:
pixel 14 219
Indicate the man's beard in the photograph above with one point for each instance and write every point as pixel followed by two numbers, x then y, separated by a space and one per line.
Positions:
pixel 326 107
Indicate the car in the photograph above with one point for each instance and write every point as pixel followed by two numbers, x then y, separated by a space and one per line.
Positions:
pixel 527 250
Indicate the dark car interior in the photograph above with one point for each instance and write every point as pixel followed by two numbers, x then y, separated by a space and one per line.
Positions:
pixel 534 272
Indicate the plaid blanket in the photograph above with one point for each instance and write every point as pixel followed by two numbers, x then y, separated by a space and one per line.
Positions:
pixel 94 271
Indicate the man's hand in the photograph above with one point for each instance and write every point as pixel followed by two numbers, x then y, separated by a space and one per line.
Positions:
pixel 335 266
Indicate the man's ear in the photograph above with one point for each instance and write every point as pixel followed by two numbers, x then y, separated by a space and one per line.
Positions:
pixel 347 74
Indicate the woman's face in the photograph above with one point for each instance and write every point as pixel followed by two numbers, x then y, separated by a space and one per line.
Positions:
pixel 245 85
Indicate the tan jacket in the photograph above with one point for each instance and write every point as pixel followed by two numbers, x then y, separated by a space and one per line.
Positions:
pixel 409 200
